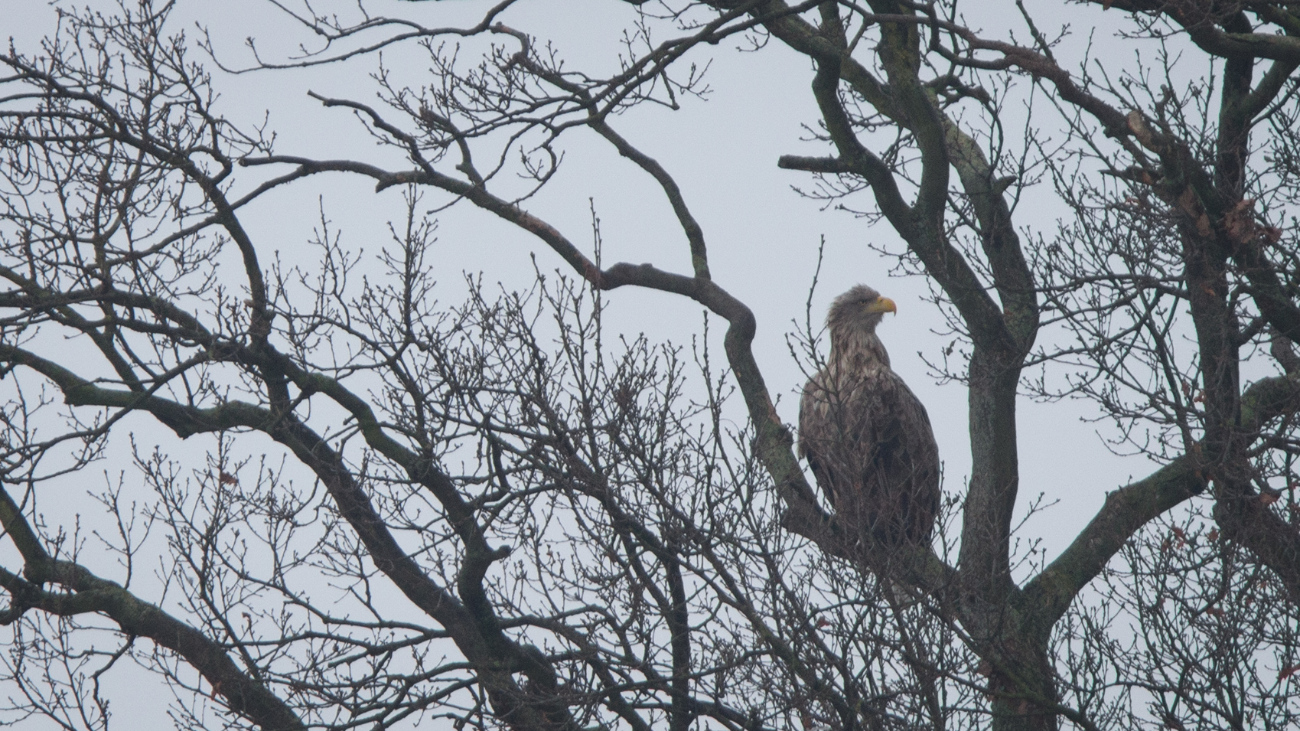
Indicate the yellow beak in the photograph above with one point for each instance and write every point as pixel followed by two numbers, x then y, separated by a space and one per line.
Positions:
pixel 882 304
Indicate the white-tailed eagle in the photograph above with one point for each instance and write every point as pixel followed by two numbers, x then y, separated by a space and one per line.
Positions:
pixel 864 433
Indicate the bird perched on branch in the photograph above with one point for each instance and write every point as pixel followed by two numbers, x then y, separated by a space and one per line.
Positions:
pixel 864 433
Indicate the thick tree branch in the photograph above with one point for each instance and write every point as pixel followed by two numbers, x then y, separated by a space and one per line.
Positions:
pixel 1129 508
pixel 943 261
pixel 1125 511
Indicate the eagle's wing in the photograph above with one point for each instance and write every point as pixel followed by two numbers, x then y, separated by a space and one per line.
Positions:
pixel 822 430
pixel 871 448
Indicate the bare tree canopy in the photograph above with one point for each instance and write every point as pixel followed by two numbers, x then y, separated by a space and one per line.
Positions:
pixel 370 508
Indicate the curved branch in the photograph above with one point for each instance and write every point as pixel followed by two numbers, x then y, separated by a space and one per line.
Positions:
pixel 243 694
pixel 1129 508
pixel 1125 511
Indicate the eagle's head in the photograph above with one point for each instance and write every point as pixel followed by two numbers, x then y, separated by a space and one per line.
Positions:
pixel 859 309
pixel 852 322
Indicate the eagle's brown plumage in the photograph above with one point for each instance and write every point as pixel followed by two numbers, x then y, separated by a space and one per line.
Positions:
pixel 865 434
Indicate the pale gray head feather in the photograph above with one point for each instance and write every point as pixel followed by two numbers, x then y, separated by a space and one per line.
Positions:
pixel 853 329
